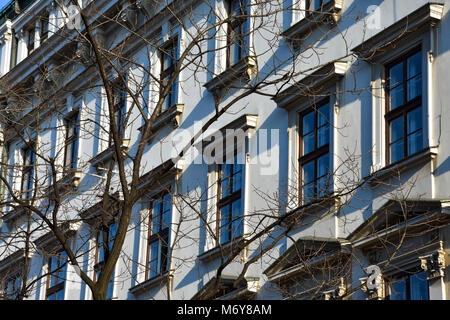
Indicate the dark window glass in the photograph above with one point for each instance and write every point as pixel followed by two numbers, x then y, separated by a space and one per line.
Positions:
pixel 57 267
pixel 230 214
pixel 237 47
pixel 169 56
pixel 404 110
pixel 71 146
pixel 314 156
pixel 28 172
pixel 101 253
pixel 158 240
pixel 412 286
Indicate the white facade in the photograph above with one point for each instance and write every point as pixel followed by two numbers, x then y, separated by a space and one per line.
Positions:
pixel 346 59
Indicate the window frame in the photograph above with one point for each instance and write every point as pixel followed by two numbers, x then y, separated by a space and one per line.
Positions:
pixel 162 236
pixel 72 140
pixel 228 200
pixel 405 275
pixel 317 152
pixel 60 282
pixel 120 95
pixel 27 171
pixel 402 111
pixel 98 265
pixel 169 51
pixel 233 24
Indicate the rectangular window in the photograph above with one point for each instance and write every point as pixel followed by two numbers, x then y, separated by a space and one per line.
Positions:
pixel 57 266
pixel 30 44
pixel 404 107
pixel 14 47
pixel 169 56
pixel 4 169
pixel 237 44
pixel 44 26
pixel 101 254
pixel 230 219
pixel 11 286
pixel 314 159
pixel 158 238
pixel 411 286
pixel 28 157
pixel 120 110
pixel 72 125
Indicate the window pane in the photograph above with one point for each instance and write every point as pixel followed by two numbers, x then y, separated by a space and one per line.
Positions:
pixel 322 186
pixel 396 75
pixel 156 216
pixel 414 65
pixel 237 180
pixel 398 290
pixel 110 291
pixel 225 187
pixel 224 224
pixel 419 286
pixel 323 136
pixel 323 165
pixel 323 115
pixel 237 222
pixel 308 192
pixel 308 143
pixel 308 172
pixel 396 97
pixel 414 119
pixel 397 151
pixel 415 142
pixel 308 123
pixel 396 129
pixel 414 87
pixel 154 255
pixel 167 210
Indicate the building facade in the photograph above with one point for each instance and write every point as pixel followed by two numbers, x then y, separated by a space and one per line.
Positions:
pixel 316 166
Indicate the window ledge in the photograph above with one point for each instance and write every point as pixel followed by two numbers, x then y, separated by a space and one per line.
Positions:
pixel 108 154
pixel 244 70
pixel 233 247
pixel 171 115
pixel 328 15
pixel 14 214
pixel 412 161
pixel 152 282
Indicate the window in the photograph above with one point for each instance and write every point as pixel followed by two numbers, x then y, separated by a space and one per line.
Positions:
pixel 120 110
pixel 229 205
pixel 14 46
pixel 404 107
pixel 44 26
pixel 28 172
pixel 11 286
pixel 412 286
pixel 71 146
pixel 57 266
pixel 30 44
pixel 169 57
pixel 4 169
pixel 314 152
pixel 158 238
pixel 100 254
pixel 237 46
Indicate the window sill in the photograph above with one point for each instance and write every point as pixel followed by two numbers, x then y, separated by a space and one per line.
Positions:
pixel 223 251
pixel 328 15
pixel 152 282
pixel 105 156
pixel 425 156
pixel 171 115
pixel 244 71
